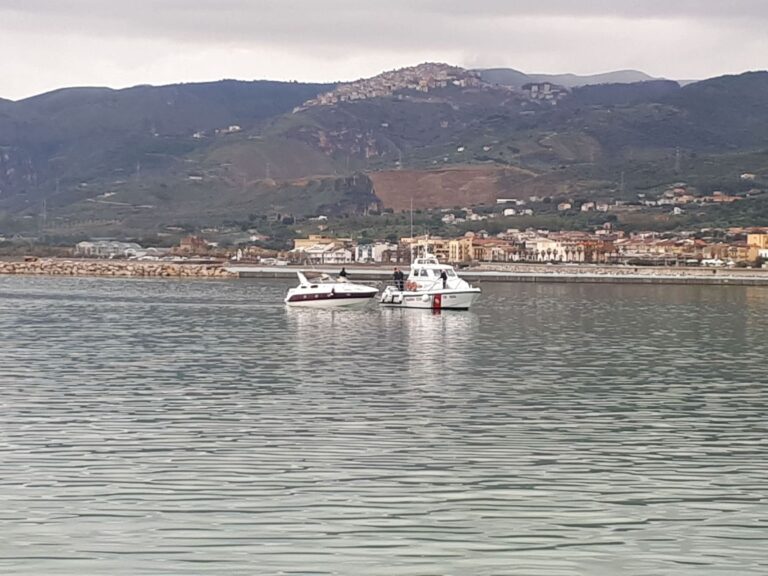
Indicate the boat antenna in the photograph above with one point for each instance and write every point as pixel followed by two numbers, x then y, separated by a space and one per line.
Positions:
pixel 411 229
pixel 411 216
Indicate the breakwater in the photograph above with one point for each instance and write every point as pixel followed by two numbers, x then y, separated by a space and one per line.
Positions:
pixel 117 268
pixel 484 273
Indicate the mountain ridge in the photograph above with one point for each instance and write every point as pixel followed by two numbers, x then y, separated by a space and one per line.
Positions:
pixel 145 157
pixel 566 79
pixel 517 78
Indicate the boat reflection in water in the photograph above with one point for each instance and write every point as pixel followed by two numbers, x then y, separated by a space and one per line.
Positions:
pixel 434 345
pixel 411 345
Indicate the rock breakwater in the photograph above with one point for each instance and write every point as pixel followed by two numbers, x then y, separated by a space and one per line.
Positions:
pixel 119 268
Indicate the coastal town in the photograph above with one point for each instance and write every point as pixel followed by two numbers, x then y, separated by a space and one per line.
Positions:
pixel 734 247
pixel 513 250
pixel 489 237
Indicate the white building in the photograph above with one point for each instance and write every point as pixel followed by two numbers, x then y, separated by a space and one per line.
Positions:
pixel 374 252
pixel 339 256
pixel 106 249
pixel 325 253
pixel 147 253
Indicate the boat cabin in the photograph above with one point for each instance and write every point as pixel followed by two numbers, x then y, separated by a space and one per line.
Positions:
pixel 425 274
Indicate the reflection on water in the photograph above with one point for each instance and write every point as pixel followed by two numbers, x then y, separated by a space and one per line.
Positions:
pixel 161 427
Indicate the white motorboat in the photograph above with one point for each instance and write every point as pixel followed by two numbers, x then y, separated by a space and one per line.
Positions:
pixel 328 292
pixel 425 288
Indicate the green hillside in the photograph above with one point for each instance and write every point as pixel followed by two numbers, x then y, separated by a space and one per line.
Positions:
pixel 63 139
pixel 90 160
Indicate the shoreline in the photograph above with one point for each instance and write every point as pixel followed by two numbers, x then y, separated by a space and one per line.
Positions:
pixel 501 272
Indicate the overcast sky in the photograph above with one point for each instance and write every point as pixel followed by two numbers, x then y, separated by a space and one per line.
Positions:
pixel 48 44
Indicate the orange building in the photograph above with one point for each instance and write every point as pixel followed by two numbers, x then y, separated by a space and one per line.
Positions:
pixel 756 243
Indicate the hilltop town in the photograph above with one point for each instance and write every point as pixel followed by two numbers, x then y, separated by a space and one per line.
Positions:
pixel 421 78
pixel 426 78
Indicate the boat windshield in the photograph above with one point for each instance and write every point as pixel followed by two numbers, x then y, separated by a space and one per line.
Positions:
pixel 432 272
pixel 314 277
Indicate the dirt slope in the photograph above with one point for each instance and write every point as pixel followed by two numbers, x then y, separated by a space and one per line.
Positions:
pixel 446 188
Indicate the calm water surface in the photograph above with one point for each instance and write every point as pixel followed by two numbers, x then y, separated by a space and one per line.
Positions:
pixel 162 427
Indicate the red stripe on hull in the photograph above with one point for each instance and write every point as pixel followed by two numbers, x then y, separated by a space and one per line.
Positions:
pixel 329 296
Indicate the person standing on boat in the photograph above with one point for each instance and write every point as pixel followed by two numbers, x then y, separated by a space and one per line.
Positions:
pixel 343 273
pixel 444 278
pixel 399 279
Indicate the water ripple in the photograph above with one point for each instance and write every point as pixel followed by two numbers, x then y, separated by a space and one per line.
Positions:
pixel 166 427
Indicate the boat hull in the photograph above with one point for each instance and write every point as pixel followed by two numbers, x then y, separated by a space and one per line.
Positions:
pixel 328 300
pixel 430 300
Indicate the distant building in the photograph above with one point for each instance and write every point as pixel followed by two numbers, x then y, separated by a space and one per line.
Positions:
pixel 545 92
pixel 318 249
pixel 757 245
pixel 300 244
pixel 106 249
pixel 377 252
pixel 193 245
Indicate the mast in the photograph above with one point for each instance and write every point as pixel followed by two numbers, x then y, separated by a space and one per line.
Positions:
pixel 411 216
pixel 411 230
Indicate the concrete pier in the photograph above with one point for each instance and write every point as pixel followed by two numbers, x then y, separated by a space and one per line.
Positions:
pixel 542 273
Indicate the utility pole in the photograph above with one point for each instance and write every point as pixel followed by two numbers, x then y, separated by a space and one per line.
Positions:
pixel 44 216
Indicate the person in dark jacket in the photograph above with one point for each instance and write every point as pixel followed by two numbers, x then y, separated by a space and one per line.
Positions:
pixel 444 278
pixel 399 277
pixel 343 273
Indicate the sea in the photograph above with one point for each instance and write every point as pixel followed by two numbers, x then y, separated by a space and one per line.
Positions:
pixel 200 427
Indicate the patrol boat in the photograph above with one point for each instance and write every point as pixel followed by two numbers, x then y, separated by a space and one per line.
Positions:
pixel 424 288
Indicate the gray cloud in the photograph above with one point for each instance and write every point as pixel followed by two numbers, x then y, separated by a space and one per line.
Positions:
pixel 93 41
